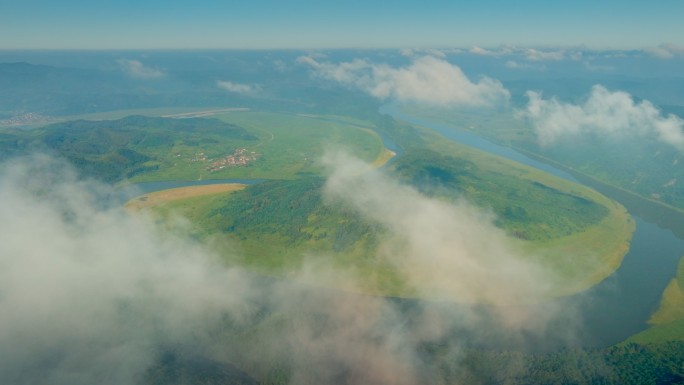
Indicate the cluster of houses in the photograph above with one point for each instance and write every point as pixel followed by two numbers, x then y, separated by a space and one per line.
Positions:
pixel 199 157
pixel 240 157
pixel 25 119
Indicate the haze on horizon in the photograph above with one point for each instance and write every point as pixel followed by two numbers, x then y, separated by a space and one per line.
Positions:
pixel 307 24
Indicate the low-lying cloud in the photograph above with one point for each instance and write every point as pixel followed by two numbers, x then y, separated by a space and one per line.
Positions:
pixel 665 51
pixel 604 112
pixel 88 294
pixel 539 55
pixel 418 52
pixel 427 80
pixel 137 69
pixel 91 294
pixel 477 50
pixel 445 250
pixel 238 88
pixel 528 54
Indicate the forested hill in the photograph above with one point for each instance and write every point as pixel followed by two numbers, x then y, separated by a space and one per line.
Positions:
pixel 112 150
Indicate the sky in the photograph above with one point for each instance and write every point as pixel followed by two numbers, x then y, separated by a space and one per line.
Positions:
pixel 266 24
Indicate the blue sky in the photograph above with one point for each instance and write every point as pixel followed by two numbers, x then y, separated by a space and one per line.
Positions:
pixel 109 24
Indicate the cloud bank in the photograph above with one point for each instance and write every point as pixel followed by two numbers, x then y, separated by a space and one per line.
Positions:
pixel 238 88
pixel 665 51
pixel 604 112
pixel 427 80
pixel 446 250
pixel 528 54
pixel 477 50
pixel 137 69
pixel 90 294
pixel 538 55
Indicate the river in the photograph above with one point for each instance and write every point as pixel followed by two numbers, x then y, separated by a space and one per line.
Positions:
pixel 620 305
pixel 605 314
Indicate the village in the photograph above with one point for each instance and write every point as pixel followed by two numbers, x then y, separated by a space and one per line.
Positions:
pixel 240 157
pixel 26 119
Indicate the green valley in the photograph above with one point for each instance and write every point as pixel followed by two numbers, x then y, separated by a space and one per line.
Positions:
pixel 280 225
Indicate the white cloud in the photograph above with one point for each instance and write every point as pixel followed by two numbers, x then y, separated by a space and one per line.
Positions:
pixel 408 52
pixel 482 51
pixel 137 69
pixel 604 112
pixel 435 52
pixel 659 52
pixel 238 88
pixel 444 249
pixel 665 51
pixel 412 52
pixel 454 51
pixel 576 56
pixel 529 54
pixel 537 55
pixel 90 294
pixel 501 51
pixel 427 80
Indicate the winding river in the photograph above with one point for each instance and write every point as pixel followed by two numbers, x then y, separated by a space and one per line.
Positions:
pixel 603 315
pixel 619 306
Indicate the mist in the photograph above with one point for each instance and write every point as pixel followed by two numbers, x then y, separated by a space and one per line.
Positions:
pixel 444 249
pixel 92 294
